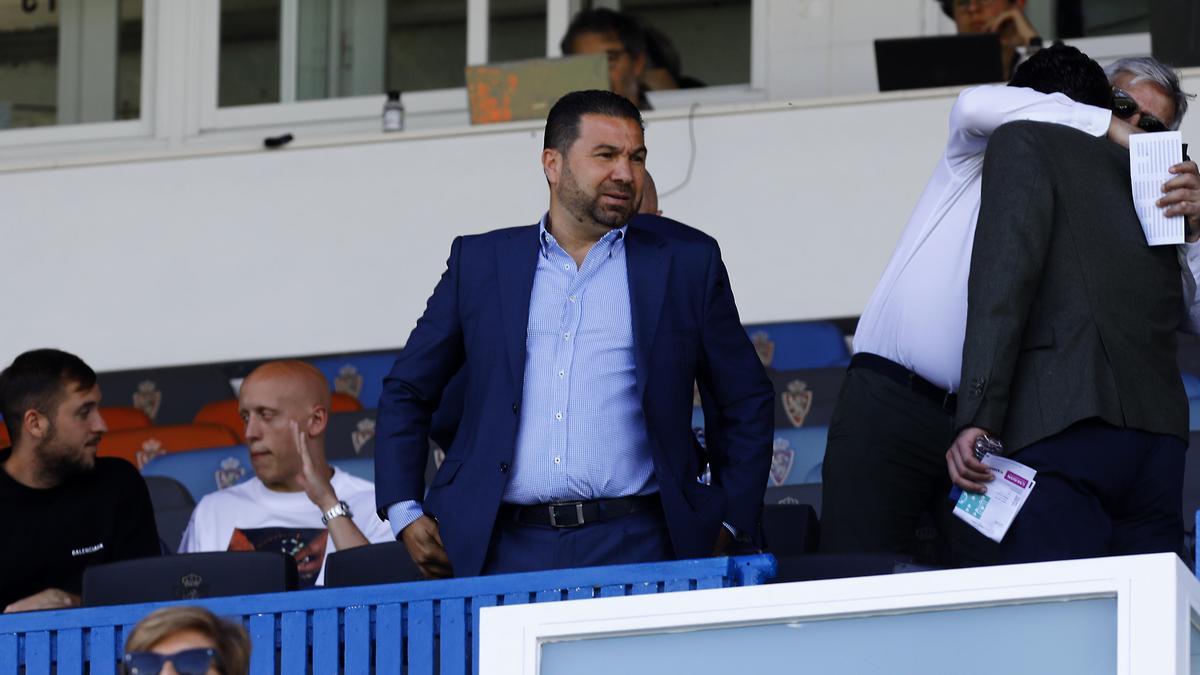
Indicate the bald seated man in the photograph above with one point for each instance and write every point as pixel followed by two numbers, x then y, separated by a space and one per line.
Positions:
pixel 650 198
pixel 296 503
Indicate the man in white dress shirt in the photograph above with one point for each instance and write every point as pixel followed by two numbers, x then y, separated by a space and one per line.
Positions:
pixel 885 464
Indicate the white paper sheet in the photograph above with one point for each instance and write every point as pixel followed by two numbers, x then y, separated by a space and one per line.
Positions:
pixel 992 513
pixel 1150 157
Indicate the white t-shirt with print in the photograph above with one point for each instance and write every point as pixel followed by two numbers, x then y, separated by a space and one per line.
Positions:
pixel 250 516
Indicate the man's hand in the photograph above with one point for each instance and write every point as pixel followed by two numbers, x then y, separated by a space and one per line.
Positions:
pixel 316 484
pixel 1013 26
pixel 1181 197
pixel 425 547
pixel 1119 131
pixel 51 598
pixel 967 472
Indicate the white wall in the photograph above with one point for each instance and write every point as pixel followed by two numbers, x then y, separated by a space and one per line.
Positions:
pixel 336 248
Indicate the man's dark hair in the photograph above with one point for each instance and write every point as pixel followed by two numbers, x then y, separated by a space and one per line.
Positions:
pixel 562 124
pixel 606 22
pixel 38 380
pixel 1059 68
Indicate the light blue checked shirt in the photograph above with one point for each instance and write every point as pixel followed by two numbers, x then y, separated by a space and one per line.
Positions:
pixel 582 433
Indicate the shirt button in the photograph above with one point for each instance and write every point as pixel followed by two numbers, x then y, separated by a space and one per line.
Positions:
pixel 566 336
pixel 562 373
pixel 567 267
pixel 572 298
pixel 558 460
pixel 503 467
pixel 558 415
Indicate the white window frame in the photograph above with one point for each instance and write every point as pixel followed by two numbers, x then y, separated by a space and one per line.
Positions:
pixel 119 130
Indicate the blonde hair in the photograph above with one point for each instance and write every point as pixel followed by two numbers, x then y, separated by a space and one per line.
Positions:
pixel 232 642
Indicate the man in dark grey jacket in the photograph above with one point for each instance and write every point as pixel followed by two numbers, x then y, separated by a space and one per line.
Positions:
pixel 1069 356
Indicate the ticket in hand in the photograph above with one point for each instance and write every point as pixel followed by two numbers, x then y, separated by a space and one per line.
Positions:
pixel 993 512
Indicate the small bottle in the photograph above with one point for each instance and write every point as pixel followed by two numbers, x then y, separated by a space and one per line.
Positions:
pixel 393 112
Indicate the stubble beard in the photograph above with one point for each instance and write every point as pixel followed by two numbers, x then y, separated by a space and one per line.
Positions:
pixel 59 463
pixel 587 209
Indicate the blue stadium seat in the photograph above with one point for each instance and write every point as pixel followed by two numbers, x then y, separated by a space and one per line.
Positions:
pixel 362 467
pixel 799 454
pixel 350 435
pixel 359 375
pixel 799 344
pixel 1191 384
pixel 204 471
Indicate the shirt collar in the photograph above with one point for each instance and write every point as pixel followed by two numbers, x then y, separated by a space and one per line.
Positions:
pixel 547 242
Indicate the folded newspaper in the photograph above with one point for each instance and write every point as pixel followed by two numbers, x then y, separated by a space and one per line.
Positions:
pixel 993 512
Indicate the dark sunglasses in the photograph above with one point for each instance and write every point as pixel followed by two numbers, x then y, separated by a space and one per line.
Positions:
pixel 1124 106
pixel 186 662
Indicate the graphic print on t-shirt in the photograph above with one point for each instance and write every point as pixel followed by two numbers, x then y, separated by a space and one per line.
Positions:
pixel 305 544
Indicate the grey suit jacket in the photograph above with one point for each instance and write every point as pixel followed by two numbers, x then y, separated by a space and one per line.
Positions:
pixel 1071 315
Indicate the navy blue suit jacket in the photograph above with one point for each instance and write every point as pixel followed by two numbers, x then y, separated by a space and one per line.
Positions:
pixel 686 329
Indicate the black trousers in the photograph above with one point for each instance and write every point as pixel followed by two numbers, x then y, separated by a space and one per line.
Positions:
pixel 885 475
pixel 1100 490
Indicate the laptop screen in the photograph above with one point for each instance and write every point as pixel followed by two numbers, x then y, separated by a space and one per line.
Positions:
pixel 939 61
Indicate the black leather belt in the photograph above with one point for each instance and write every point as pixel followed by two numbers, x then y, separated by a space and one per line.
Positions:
pixel 906 378
pixel 574 514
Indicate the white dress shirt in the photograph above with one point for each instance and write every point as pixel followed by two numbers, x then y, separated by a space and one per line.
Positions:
pixel 917 314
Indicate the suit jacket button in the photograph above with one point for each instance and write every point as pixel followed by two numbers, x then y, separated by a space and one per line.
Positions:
pixel 516 406
pixel 503 467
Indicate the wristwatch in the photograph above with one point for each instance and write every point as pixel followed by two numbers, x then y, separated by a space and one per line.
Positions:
pixel 339 509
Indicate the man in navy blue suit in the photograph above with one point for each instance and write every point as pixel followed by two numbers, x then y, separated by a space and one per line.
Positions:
pixel 579 340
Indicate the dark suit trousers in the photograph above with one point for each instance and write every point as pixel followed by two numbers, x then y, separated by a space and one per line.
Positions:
pixel 637 537
pixel 1101 490
pixel 885 469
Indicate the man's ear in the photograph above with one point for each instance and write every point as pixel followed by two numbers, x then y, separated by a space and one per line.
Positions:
pixel 35 424
pixel 552 165
pixel 317 420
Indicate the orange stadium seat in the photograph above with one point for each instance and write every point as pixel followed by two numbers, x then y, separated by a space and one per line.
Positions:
pixel 139 446
pixel 225 413
pixel 122 418
pixel 344 403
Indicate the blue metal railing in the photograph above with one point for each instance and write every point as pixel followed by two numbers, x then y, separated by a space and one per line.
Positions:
pixel 419 628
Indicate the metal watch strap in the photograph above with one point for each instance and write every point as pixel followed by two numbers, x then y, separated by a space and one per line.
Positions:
pixel 339 509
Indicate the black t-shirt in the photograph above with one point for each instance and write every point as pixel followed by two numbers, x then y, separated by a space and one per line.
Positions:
pixel 50 536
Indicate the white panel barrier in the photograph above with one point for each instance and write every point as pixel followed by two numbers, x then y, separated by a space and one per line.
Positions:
pixel 1135 615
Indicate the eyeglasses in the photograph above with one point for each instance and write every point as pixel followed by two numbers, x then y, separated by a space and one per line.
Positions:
pixel 980 3
pixel 1124 106
pixel 186 662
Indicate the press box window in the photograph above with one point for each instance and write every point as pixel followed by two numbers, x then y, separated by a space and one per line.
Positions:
pixel 69 62
pixel 280 51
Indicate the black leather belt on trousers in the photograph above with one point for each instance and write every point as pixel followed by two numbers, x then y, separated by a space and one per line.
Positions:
pixel 574 514
pixel 906 378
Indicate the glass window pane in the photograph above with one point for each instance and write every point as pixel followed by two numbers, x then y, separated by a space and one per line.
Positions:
pixel 1076 636
pixel 129 61
pixel 426 44
pixel 1090 18
pixel 711 38
pixel 516 30
pixel 248 65
pixel 47 78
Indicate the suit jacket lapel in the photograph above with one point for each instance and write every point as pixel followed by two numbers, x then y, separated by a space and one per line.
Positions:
pixel 647 262
pixel 516 264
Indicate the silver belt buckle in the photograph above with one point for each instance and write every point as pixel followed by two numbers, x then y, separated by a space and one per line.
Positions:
pixel 578 515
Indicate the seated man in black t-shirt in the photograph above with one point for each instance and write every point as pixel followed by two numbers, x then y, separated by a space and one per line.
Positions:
pixel 63 508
